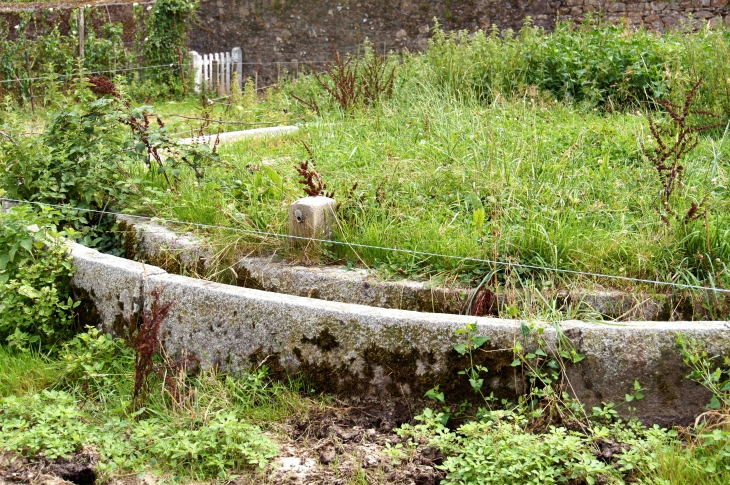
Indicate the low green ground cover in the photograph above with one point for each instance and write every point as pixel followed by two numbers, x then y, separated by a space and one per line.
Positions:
pixel 190 426
pixel 207 426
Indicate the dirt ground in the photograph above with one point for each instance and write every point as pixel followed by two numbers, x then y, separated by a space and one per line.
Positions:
pixel 338 445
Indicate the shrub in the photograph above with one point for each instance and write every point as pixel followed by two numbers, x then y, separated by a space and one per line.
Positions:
pixel 596 63
pixel 88 156
pixel 35 303
pixel 165 42
pixel 599 64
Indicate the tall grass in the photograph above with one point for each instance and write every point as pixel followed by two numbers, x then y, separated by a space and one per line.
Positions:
pixel 523 147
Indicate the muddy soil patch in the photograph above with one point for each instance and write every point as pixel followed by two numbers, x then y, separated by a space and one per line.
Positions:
pixel 78 469
pixel 347 444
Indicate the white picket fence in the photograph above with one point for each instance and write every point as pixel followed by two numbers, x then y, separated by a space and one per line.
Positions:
pixel 215 71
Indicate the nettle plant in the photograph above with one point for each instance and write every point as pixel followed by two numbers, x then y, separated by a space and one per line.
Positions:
pixel 35 303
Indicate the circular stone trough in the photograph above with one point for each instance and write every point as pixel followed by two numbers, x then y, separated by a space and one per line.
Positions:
pixel 366 351
pixel 371 343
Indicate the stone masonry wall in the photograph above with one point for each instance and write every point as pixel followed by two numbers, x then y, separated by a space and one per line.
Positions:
pixel 284 35
pixel 278 35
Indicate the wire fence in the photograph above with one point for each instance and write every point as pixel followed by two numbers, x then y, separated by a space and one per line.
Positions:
pixel 56 6
pixel 172 66
pixel 426 254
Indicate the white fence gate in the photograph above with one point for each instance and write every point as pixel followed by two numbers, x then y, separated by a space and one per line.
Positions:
pixel 215 71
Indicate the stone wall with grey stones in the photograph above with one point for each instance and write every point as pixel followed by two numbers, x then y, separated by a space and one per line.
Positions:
pixel 281 35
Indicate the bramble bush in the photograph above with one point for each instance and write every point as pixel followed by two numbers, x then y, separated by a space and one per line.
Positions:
pixel 94 154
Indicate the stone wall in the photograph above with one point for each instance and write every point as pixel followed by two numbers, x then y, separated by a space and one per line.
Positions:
pixel 46 16
pixel 278 35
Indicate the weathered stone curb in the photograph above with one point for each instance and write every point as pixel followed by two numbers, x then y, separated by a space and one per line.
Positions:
pixel 358 350
pixel 238 135
pixel 176 253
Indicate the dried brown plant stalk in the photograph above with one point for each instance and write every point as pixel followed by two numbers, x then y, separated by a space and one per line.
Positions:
pixel 351 86
pixel 311 180
pixel 672 145
pixel 146 343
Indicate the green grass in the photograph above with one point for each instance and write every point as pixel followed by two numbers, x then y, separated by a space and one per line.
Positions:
pixel 561 186
pixel 523 148
pixel 560 183
pixel 23 373
pixel 678 464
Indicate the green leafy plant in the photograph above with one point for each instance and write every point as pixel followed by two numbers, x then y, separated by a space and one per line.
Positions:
pixel 95 154
pixel 711 371
pixel 95 361
pixel 474 371
pixel 711 433
pixel 35 302
pixel 210 437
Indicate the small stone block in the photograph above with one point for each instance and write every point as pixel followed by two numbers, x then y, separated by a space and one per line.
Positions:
pixel 311 217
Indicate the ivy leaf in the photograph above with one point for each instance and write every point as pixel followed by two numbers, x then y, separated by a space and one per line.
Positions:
pixel 516 362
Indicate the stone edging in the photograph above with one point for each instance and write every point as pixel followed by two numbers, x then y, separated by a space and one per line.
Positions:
pixel 363 351
pixel 239 135
pixel 158 245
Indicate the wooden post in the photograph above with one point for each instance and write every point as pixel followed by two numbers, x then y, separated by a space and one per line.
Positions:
pixel 30 83
pixel 228 70
pixel 196 66
pixel 237 59
pixel 182 72
pixel 214 78
pixel 81 27
pixel 206 72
